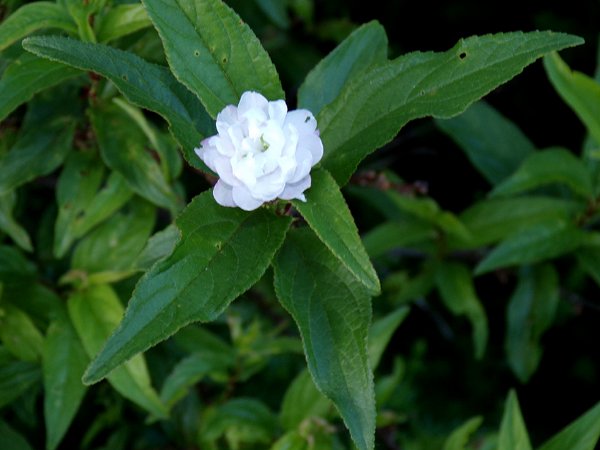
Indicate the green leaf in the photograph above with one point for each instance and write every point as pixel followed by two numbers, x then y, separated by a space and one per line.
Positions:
pixel 190 371
pixel 146 85
pixel 530 313
pixel 19 334
pixel 10 439
pixel 494 219
pixel 159 246
pixel 455 284
pixel 555 165
pixel 540 242
pixel 366 46
pixel 301 401
pixel 8 223
pixel 333 312
pixel 582 434
pixel 121 20
pixel 122 145
pixel 16 378
pixel 64 361
pixel 195 282
pixel 395 235
pixel 241 420
pixel 459 438
pixel 32 17
pixel 115 245
pixel 165 147
pixel 375 105
pixel 95 313
pixel 493 144
pixel 381 332
pixel 37 152
pixel 213 52
pixel 83 200
pixel 276 11
pixel 579 91
pixel 425 210
pixel 26 76
pixel 513 434
pixel 588 258
pixel 328 215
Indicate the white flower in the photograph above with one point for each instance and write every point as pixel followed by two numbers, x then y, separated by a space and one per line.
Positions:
pixel 261 152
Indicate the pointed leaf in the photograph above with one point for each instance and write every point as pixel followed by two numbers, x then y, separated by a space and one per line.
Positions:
pixel 555 165
pixel 381 332
pixel 8 223
pixel 83 200
pixel 582 434
pixel 301 401
pixel 64 361
pixel 121 20
pixel 95 312
pixel 460 437
pixel 333 312
pixel 241 420
pixel 32 17
pixel 213 52
pixel 540 242
pixel 366 46
pixel 495 145
pixel 115 245
pixel 588 258
pixel 123 148
pixel 16 378
pixel 492 220
pixel 25 77
pixel 144 84
pixel 159 246
pixel 19 334
pixel 530 313
pixel 513 434
pixel 455 284
pixel 327 213
pixel 190 371
pixel 395 235
pixel 195 282
pixel 579 91
pixel 10 439
pixel 375 105
pixel 37 152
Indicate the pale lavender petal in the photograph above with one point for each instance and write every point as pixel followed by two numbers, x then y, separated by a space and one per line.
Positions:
pixel 222 194
pixel 243 199
pixel 296 190
pixel 252 100
pixel 277 111
pixel 314 145
pixel 303 120
pixel 226 118
pixel 223 168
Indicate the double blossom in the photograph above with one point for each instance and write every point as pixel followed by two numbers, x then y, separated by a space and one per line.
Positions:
pixel 262 152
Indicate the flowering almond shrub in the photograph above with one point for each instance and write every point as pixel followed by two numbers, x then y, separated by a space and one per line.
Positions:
pixel 180 268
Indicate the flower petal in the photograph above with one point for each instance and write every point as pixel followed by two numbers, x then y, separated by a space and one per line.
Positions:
pixel 303 120
pixel 251 101
pixel 314 145
pixel 277 111
pixel 243 199
pixel 226 118
pixel 222 194
pixel 296 190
